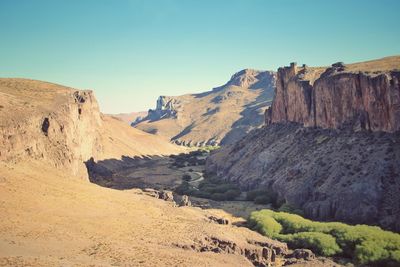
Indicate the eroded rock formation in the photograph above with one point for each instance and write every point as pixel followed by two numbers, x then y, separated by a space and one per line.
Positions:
pixel 337 98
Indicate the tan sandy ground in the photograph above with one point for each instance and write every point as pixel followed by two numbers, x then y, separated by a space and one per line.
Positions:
pixel 49 219
pixel 128 118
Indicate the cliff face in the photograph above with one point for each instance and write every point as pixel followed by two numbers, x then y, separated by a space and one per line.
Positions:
pixel 338 98
pixel 57 125
pixel 64 128
pixel 344 164
pixel 220 116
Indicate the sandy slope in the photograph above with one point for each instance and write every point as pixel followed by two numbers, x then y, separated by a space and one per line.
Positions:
pixel 50 220
pixel 120 139
pixel 128 118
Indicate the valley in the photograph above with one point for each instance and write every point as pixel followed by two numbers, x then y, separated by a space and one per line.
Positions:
pixel 313 181
pixel 184 133
pixel 168 174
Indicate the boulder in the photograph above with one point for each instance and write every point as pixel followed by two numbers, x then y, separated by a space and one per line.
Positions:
pixel 304 254
pixel 185 201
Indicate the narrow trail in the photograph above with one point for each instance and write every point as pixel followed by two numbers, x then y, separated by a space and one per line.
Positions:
pixel 196 181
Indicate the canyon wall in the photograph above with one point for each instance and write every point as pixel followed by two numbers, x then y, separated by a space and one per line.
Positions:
pixel 331 144
pixel 337 98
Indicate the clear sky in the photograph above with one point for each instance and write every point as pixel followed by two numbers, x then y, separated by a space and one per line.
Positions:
pixel 132 51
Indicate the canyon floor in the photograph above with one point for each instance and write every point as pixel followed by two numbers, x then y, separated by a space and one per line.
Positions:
pixel 159 173
pixel 51 219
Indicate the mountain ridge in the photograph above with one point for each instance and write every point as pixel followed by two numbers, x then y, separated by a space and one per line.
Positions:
pixel 215 117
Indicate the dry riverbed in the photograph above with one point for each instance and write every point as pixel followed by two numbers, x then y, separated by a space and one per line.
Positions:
pixel 166 173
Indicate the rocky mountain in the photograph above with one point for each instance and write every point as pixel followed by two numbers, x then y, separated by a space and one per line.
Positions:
pixel 220 116
pixel 331 146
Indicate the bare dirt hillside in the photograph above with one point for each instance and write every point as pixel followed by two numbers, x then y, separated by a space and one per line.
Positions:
pixel 120 139
pixel 220 116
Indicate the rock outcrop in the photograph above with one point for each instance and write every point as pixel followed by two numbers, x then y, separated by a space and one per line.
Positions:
pixel 185 201
pixel 337 98
pixel 64 128
pixel 344 165
pixel 57 125
pixel 220 116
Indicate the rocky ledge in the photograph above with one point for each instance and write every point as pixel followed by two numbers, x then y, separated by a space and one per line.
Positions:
pixel 337 98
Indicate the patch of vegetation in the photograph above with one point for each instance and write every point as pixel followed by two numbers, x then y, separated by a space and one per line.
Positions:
pixel 193 158
pixel 209 148
pixel 364 244
pixel 211 188
pixel 263 196
pixel 186 177
pixel 290 209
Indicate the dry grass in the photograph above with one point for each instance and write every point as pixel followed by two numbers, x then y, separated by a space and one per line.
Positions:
pixel 378 65
pixel 49 219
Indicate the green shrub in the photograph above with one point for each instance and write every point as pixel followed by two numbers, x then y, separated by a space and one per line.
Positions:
pixel 265 224
pixel 364 244
pixel 262 196
pixel 201 194
pixel 186 177
pixel 232 194
pixel 218 197
pixel 263 200
pixel 320 243
pixel 251 195
pixel 212 188
pixel 286 207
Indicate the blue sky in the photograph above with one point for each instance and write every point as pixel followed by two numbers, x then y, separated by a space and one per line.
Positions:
pixel 131 51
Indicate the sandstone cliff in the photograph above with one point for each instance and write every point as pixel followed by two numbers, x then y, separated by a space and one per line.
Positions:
pixel 63 127
pixel 220 116
pixel 338 96
pixel 342 172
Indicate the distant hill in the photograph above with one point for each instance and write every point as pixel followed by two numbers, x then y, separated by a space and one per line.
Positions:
pixel 220 116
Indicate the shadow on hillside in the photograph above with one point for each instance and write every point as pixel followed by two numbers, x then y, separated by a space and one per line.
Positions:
pixel 252 114
pixel 156 172
pixel 119 173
